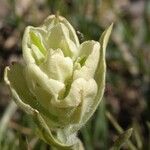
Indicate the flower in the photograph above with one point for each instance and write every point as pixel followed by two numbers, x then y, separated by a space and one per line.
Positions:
pixel 61 81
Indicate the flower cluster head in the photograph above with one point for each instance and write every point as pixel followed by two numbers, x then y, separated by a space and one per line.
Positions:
pixel 61 81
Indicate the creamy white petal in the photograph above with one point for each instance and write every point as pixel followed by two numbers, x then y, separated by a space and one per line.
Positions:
pixel 90 91
pixel 52 20
pixel 35 77
pixel 57 66
pixel 100 80
pixel 74 96
pixel 89 55
pixel 81 95
pixel 58 37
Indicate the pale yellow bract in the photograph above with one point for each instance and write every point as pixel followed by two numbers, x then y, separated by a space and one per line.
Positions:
pixel 61 82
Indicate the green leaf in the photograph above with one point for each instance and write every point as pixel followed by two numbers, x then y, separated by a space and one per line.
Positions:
pixel 23 143
pixel 122 139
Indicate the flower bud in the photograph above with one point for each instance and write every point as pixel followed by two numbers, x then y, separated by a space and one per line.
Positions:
pixel 61 82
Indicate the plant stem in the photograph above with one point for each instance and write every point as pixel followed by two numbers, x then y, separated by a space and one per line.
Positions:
pixel 119 129
pixel 78 146
pixel 6 118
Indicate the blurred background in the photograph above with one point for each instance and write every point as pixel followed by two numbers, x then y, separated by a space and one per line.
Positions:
pixel 126 102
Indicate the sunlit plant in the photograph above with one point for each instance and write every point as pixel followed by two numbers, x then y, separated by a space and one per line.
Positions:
pixel 61 82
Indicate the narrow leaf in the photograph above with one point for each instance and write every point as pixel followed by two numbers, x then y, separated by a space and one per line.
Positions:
pixel 122 139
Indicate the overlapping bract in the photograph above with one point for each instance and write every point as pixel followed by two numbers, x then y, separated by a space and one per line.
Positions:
pixel 62 81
